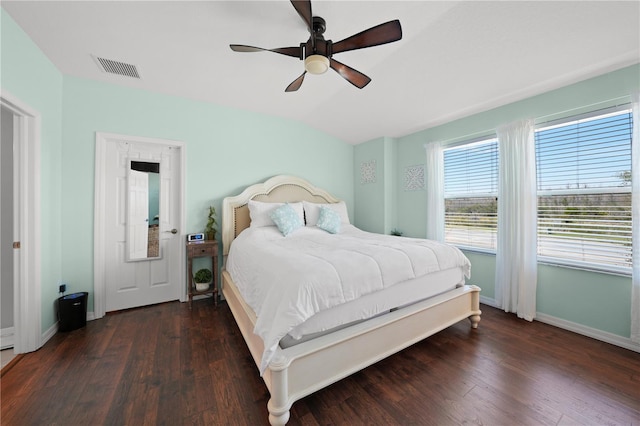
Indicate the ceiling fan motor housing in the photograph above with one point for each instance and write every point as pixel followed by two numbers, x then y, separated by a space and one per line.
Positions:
pixel 317 45
pixel 317 50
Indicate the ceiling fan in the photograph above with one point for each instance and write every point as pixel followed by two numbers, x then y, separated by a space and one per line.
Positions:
pixel 317 53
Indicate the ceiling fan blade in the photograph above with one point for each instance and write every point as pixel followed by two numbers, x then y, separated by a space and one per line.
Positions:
pixel 296 52
pixel 295 85
pixel 303 7
pixel 352 76
pixel 381 34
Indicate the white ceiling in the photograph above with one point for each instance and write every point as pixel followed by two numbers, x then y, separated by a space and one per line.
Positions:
pixel 455 58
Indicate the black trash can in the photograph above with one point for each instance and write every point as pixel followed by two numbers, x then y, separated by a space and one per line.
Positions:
pixel 72 311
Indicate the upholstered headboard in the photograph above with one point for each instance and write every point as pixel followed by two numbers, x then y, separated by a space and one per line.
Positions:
pixel 278 189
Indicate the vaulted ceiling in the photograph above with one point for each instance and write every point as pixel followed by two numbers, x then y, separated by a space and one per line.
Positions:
pixel 456 58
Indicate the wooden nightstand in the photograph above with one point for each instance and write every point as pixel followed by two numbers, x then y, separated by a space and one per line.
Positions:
pixel 207 248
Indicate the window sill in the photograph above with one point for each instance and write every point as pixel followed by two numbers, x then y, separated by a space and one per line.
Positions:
pixel 587 267
pixel 477 250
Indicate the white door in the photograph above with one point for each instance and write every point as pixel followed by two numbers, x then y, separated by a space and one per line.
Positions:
pixel 130 281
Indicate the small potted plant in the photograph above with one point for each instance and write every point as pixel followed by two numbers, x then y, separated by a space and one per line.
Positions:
pixel 203 279
pixel 210 229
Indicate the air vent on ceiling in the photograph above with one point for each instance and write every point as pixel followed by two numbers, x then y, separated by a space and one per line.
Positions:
pixel 116 67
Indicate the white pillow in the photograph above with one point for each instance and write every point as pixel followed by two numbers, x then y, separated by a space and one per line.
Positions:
pixel 312 211
pixel 260 213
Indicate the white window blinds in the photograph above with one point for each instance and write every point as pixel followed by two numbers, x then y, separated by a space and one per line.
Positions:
pixel 471 190
pixel 584 191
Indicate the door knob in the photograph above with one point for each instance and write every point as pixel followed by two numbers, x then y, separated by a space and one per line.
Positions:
pixel 173 231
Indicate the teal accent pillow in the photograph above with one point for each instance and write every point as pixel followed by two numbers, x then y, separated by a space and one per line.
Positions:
pixel 286 219
pixel 329 220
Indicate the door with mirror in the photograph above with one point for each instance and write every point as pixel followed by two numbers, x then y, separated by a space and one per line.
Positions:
pixel 143 211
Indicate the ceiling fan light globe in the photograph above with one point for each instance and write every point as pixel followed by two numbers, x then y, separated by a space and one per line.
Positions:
pixel 316 64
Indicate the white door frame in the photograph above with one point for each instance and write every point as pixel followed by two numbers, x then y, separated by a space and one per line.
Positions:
pixel 99 233
pixel 27 297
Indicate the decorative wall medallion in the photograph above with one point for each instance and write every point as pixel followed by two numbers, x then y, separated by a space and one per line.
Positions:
pixel 368 172
pixel 414 178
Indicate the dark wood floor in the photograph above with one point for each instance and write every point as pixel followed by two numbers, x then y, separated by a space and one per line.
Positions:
pixel 167 365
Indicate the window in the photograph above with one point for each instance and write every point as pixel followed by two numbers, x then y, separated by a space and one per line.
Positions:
pixel 584 191
pixel 471 191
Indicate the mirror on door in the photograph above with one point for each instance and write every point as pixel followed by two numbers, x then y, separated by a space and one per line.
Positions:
pixel 143 211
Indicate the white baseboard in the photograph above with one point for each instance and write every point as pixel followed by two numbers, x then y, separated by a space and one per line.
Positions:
pixel 487 301
pixel 603 336
pixel 49 333
pixel 6 337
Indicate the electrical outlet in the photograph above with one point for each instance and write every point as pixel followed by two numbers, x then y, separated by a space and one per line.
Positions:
pixel 62 288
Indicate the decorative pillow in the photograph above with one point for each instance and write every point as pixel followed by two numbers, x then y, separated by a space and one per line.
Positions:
pixel 312 211
pixel 329 220
pixel 286 219
pixel 260 213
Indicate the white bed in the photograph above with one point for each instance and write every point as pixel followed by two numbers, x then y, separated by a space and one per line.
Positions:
pixel 298 370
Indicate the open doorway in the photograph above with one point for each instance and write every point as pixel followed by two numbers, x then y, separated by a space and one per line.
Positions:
pixel 7 329
pixel 20 224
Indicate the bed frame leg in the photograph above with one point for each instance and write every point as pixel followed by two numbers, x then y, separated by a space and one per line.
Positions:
pixel 475 319
pixel 279 404
pixel 475 306
pixel 276 417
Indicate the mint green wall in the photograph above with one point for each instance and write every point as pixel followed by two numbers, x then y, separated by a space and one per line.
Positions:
pixel 226 150
pixel 369 197
pixel 375 202
pixel 599 301
pixel 390 184
pixel 483 271
pixel 27 74
pixel 595 300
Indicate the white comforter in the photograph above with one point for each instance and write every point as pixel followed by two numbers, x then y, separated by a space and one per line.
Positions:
pixel 286 280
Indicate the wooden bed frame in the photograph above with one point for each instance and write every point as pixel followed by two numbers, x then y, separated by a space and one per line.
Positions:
pixel 300 370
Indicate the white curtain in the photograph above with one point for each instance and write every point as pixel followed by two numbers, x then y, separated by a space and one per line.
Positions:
pixel 434 175
pixel 516 263
pixel 635 203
